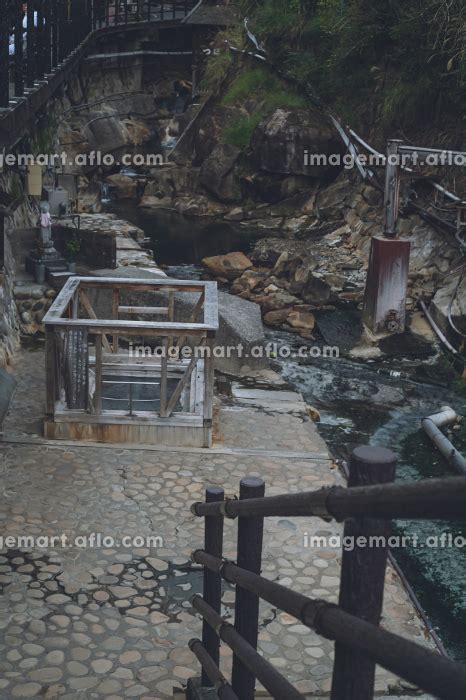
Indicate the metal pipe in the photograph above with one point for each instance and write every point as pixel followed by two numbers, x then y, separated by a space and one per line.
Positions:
pixel 437 330
pixel 432 426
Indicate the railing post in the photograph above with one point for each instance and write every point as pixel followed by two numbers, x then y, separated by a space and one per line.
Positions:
pixel 250 536
pixel 4 59
pixel 50 372
pixel 19 50
pixel 30 46
pixel 98 375
pixel 213 544
pixel 363 575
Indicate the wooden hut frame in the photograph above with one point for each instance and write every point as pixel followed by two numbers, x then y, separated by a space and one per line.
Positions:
pixel 85 354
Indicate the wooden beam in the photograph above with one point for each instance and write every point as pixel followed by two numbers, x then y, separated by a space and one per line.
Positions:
pixel 88 306
pixel 164 380
pixel 98 375
pixel 116 316
pixel 134 310
pixel 183 382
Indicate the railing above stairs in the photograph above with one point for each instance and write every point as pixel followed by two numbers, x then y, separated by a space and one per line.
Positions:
pixel 35 39
pixel 367 506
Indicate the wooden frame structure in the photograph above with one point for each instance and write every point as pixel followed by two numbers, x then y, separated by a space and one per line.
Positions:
pixel 86 354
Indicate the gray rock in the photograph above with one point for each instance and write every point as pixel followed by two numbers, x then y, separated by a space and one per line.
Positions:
pixel 218 174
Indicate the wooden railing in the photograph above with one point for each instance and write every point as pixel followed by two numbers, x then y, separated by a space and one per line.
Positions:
pixel 86 355
pixel 36 43
pixel 367 506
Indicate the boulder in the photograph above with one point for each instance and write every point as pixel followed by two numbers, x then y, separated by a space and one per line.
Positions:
pixel 230 266
pixel 276 318
pixel 218 173
pixel 248 281
pixel 317 291
pixel 301 320
pixel 123 186
pixel 267 251
pixel 441 302
pixel 282 139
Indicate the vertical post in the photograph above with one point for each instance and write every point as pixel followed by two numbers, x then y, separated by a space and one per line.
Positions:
pixel 50 378
pixel 116 316
pixel 4 59
pixel 171 315
pixel 250 535
pixel 98 375
pixel 47 37
pixel 19 50
pixel 363 575
pixel 392 188
pixel 30 45
pixel 54 20
pixel 387 275
pixel 212 593
pixel 40 38
pixel 2 242
pixel 164 379
pixel 208 393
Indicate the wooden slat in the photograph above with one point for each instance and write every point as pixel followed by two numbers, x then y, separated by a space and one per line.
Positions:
pixel 208 386
pixel 183 382
pixel 88 306
pixel 136 328
pixel 211 305
pixel 143 284
pixel 116 315
pixel 98 375
pixel 156 310
pixel 194 315
pixel 164 380
pixel 62 301
pixel 50 371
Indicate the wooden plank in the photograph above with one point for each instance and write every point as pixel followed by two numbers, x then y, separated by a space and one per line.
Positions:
pixel 211 305
pixel 183 382
pixel 98 375
pixel 164 380
pixel 88 306
pixel 142 284
pixel 208 386
pixel 116 315
pixel 156 310
pixel 76 368
pixel 137 328
pixel 193 317
pixel 122 418
pixel 171 314
pixel 50 379
pixel 62 301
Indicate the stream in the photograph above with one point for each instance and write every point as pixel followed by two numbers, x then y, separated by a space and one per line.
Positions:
pixel 373 402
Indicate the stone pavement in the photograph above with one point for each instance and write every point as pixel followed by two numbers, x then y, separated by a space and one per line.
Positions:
pixel 113 621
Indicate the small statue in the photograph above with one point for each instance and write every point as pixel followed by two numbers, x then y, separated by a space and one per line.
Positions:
pixel 45 223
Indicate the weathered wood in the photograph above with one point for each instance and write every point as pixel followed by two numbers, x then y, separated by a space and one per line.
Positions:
pixel 50 379
pixel 211 305
pixel 362 575
pixel 249 557
pixel 212 591
pixel 164 380
pixel 208 386
pixel 98 375
pixel 62 301
pixel 134 310
pixel 183 382
pixel 171 314
pixel 193 318
pixel 116 316
pixel 76 369
pixel 88 306
pixel 136 328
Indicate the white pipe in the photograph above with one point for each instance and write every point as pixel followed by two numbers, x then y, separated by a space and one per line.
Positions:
pixel 432 425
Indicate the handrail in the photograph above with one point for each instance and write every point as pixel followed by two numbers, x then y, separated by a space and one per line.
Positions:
pixel 271 679
pixel 52 32
pixel 435 674
pixel 223 688
pixel 441 499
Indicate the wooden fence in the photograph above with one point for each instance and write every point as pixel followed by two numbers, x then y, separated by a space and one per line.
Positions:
pixel 367 506
pixel 168 351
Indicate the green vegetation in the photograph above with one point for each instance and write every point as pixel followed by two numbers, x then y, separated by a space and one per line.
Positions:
pixel 267 91
pixel 409 56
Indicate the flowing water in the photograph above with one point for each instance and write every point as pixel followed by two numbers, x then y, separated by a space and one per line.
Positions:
pixel 378 403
